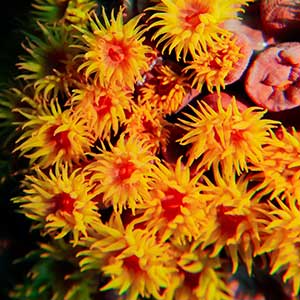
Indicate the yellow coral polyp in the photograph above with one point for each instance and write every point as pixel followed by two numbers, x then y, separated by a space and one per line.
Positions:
pixel 114 52
pixel 133 259
pixel 123 174
pixel 52 136
pixel 60 202
pixel 147 123
pixel 200 277
pixel 165 91
pixel 104 109
pixel 188 27
pixel 279 172
pixel 279 237
pixel 232 217
pixel 176 209
pixel 212 67
pixel 230 137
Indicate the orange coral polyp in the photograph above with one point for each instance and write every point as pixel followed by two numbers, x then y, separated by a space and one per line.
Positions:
pixel 147 123
pixel 279 172
pixel 187 27
pixel 54 136
pixel 176 211
pixel 213 67
pixel 114 52
pixel 165 90
pixel 61 201
pixel 103 108
pixel 233 138
pixel 123 174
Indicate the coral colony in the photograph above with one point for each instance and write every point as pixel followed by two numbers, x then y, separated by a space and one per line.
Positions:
pixel 157 166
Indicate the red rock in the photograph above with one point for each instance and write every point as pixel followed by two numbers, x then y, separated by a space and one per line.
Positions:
pixel 257 39
pixel 190 96
pixel 226 99
pixel 273 79
pixel 280 18
pixel 241 65
pixel 291 55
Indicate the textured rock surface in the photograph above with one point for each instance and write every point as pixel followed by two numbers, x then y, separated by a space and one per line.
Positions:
pixel 280 17
pixel 212 100
pixel 273 79
pixel 239 68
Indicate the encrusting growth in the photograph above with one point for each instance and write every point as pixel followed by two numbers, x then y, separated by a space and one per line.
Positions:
pixel 148 197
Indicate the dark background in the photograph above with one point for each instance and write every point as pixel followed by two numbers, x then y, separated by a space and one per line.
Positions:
pixel 14 18
pixel 15 240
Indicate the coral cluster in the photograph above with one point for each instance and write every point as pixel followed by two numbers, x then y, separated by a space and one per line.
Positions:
pixel 142 189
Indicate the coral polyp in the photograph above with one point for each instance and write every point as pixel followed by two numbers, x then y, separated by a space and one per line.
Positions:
pixel 165 90
pixel 64 12
pixel 114 52
pixel 214 66
pixel 103 108
pixel 227 137
pixel 60 202
pixel 123 174
pixel 188 27
pixel 48 64
pixel 54 136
